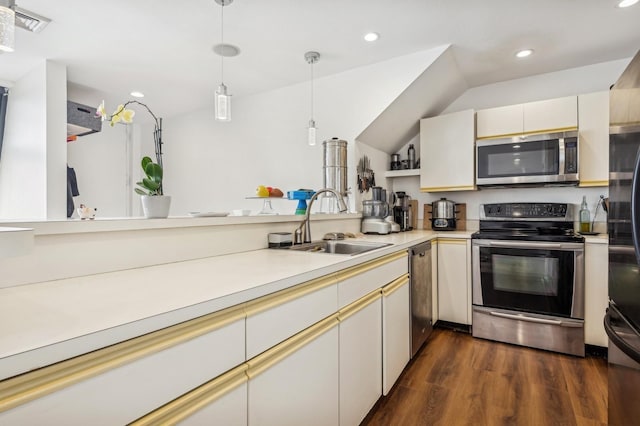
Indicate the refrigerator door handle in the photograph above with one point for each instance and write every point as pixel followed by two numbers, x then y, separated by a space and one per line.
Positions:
pixel 635 207
pixel 619 341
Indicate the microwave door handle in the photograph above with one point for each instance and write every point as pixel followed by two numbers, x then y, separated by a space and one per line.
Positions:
pixel 635 207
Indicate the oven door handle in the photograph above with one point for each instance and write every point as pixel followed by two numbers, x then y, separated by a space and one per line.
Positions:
pixel 536 320
pixel 519 244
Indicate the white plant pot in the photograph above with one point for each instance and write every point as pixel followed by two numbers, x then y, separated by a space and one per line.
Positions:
pixel 155 206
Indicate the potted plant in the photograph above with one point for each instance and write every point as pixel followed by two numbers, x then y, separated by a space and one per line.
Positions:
pixel 154 203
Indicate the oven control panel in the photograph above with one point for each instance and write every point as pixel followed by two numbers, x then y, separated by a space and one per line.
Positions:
pixel 557 211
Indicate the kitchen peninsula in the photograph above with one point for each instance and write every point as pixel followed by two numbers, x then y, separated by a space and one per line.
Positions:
pixel 54 320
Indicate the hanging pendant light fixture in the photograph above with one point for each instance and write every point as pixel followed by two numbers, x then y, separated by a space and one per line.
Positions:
pixel 7 25
pixel 312 58
pixel 222 97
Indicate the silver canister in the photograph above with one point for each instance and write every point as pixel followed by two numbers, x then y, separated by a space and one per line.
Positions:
pixel 335 165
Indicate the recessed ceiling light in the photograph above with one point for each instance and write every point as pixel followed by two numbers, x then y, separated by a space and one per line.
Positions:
pixel 627 3
pixel 137 94
pixel 524 53
pixel 371 36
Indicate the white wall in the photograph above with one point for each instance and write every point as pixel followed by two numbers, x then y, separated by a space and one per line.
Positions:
pixel 545 86
pixel 212 166
pixel 32 172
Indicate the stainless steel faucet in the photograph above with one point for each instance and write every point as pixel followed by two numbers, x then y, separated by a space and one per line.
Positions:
pixel 303 232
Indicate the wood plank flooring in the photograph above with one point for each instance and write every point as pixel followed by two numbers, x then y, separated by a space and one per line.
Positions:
pixel 458 380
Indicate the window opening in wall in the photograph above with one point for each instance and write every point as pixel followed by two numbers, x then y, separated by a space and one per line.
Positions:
pixel 4 95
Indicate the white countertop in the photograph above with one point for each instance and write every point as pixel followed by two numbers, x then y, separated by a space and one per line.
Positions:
pixel 50 321
pixel 72 226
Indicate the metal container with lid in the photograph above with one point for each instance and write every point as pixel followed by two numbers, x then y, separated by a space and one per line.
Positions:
pixel 443 214
pixel 335 165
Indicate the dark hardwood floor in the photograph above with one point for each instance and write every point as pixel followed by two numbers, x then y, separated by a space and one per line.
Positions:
pixel 458 380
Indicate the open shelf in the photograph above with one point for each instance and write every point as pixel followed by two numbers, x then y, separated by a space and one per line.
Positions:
pixel 401 173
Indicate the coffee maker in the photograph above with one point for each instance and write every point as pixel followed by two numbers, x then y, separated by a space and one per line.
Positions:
pixel 402 211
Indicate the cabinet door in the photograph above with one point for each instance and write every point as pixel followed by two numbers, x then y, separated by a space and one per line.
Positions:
pixel 228 410
pixel 360 358
pixel 551 115
pixel 500 121
pixel 396 336
pixel 222 401
pixel 448 142
pixel 273 319
pixel 596 268
pixel 124 393
pixel 593 124
pixel 454 302
pixel 357 282
pixel 300 388
pixel 434 280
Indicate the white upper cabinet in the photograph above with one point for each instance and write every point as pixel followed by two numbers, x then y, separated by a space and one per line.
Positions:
pixel 447 147
pixel 551 115
pixel 501 121
pixel 593 115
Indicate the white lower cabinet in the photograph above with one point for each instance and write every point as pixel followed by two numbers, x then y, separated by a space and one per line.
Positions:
pixel 596 277
pixel 229 410
pixel 315 358
pixel 454 280
pixel 360 358
pixel 396 333
pixel 274 318
pixel 121 383
pixel 296 383
pixel 222 400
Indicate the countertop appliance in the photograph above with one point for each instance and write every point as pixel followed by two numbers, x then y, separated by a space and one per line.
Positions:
pixel 622 320
pixel 374 213
pixel 528 277
pixel 543 159
pixel 402 211
pixel 443 215
pixel 421 295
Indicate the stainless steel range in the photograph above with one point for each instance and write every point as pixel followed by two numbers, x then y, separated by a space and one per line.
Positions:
pixel 528 277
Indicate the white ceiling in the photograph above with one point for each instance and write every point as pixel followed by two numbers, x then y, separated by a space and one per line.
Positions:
pixel 164 48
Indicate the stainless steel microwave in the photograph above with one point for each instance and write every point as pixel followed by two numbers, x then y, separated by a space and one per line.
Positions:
pixel 532 159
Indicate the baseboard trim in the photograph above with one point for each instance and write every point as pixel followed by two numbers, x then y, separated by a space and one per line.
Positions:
pixel 453 326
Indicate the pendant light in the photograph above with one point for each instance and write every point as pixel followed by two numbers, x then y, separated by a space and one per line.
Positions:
pixel 7 25
pixel 311 58
pixel 222 97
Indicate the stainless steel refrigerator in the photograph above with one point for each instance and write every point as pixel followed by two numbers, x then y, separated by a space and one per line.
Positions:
pixel 622 320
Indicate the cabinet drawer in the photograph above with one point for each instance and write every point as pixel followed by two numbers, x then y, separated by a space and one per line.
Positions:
pixel 359 281
pixel 273 319
pixel 118 384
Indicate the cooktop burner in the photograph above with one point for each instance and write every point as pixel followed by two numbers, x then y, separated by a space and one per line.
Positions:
pixel 527 221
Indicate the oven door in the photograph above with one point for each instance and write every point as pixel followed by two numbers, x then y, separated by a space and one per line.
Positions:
pixel 538 277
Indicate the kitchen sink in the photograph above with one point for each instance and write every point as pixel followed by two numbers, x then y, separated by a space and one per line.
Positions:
pixel 339 247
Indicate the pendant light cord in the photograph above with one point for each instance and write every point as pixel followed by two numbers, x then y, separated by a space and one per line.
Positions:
pixel 222 43
pixel 312 63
